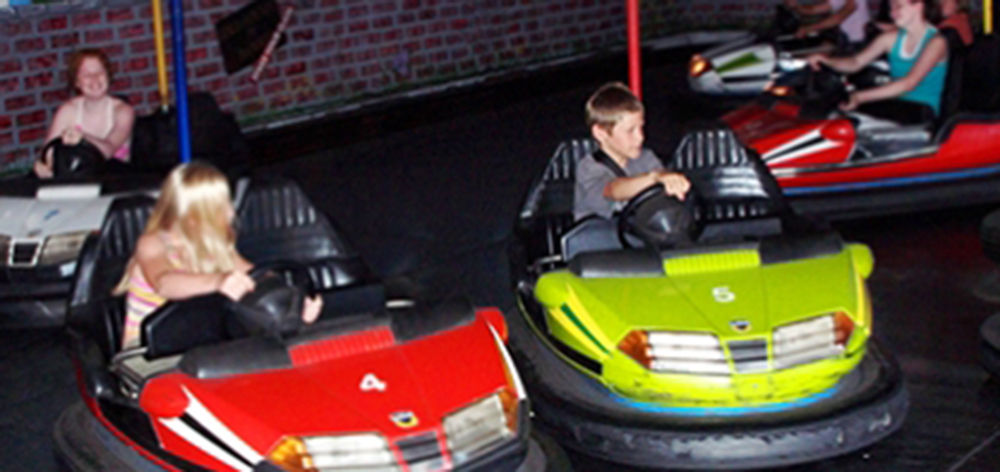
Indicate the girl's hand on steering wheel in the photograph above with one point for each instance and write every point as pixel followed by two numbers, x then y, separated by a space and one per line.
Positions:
pixel 235 284
pixel 311 309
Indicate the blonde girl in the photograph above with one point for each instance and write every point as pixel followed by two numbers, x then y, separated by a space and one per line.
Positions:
pixel 188 249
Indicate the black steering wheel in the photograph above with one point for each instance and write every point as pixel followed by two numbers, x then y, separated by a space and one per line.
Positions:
pixel 82 159
pixel 656 219
pixel 823 93
pixel 274 307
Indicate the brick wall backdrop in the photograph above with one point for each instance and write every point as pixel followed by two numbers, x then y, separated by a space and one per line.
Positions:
pixel 337 50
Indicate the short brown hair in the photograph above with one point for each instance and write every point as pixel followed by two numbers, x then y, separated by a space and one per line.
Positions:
pixel 607 105
pixel 76 60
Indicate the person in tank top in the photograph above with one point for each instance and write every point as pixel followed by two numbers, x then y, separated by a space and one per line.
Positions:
pixel 92 115
pixel 188 249
pixel 918 58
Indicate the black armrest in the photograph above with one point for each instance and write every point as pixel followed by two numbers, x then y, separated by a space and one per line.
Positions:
pixel 791 248
pixel 235 358
pixel 362 298
pixel 412 323
pixel 179 326
pixel 605 264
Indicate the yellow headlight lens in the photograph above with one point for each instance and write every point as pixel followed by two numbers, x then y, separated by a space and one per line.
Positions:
pixel 290 454
pixel 698 66
pixel 636 345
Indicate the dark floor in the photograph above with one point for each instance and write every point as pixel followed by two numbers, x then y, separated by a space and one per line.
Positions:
pixel 437 202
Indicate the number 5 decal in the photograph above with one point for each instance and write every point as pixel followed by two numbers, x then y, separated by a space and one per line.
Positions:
pixel 723 295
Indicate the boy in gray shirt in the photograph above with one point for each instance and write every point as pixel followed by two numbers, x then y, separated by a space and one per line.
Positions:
pixel 621 168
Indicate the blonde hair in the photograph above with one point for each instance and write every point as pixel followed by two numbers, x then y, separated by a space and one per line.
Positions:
pixel 607 105
pixel 193 200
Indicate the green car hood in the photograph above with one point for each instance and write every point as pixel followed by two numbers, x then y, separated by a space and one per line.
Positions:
pixel 731 294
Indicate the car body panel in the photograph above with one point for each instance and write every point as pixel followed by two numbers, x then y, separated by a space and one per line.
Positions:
pixel 327 392
pixel 39 218
pixel 732 296
pixel 814 156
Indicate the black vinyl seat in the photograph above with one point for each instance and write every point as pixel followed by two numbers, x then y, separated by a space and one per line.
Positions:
pixel 278 223
pixel 94 316
pixel 547 213
pixel 737 197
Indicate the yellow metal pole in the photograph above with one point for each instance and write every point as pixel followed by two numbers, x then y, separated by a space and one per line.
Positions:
pixel 161 54
pixel 987 16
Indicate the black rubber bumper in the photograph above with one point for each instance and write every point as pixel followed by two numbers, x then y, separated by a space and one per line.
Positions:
pixel 32 298
pixel 989 335
pixel 83 444
pixel 581 414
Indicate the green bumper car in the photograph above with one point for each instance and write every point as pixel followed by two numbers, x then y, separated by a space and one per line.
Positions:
pixel 742 341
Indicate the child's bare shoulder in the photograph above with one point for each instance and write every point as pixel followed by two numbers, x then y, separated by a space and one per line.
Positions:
pixel 150 246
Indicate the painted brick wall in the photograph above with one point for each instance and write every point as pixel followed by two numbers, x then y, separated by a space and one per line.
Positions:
pixel 337 50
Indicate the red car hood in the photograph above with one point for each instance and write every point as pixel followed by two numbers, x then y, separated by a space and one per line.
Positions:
pixel 396 390
pixel 782 139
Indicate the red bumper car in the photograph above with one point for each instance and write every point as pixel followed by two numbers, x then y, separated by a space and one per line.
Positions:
pixel 365 388
pixel 822 159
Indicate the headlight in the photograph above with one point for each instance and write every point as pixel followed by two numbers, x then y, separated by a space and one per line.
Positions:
pixel 811 340
pixel 473 429
pixel 62 248
pixel 698 66
pixel 351 452
pixel 665 351
pixel 781 91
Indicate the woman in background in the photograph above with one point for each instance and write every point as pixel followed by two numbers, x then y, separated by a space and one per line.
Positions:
pixel 93 115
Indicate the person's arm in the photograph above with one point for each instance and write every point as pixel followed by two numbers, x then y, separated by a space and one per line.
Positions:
pixel 831 21
pixel 815 9
pixel 935 51
pixel 124 116
pixel 624 188
pixel 174 284
pixel 60 122
pixel 851 64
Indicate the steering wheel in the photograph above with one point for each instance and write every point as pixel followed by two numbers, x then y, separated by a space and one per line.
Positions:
pixel 656 218
pixel 824 92
pixel 78 160
pixel 274 307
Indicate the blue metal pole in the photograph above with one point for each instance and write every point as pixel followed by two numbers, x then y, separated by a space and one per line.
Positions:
pixel 180 79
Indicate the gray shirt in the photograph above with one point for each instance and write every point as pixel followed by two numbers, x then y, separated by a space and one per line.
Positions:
pixel 592 177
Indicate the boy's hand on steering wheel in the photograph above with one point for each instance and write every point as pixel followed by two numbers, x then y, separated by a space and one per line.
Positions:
pixel 235 284
pixel 674 184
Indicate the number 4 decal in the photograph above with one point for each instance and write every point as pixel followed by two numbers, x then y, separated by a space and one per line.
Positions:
pixel 370 382
pixel 723 294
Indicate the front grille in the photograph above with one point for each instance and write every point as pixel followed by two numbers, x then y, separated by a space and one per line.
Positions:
pixel 749 355
pixel 804 342
pixel 422 452
pixel 25 253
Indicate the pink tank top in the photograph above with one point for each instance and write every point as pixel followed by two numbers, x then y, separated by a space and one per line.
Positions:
pixel 121 153
pixel 142 299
